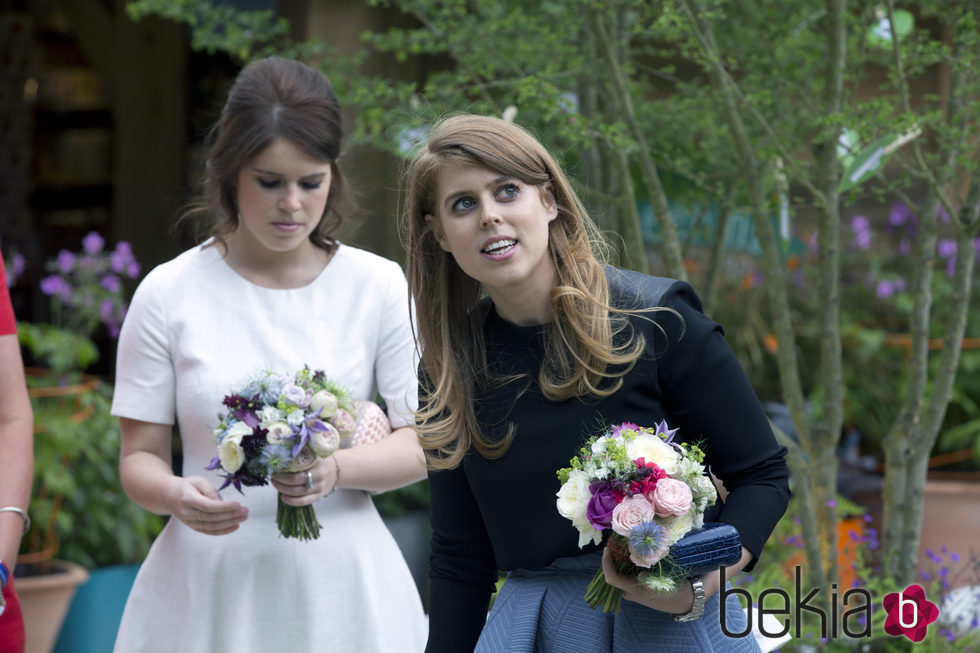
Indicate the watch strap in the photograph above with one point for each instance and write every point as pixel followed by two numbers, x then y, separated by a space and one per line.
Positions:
pixel 698 608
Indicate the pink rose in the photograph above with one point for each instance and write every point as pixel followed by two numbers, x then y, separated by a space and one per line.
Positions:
pixel 654 556
pixel 671 497
pixel 630 513
pixel 343 422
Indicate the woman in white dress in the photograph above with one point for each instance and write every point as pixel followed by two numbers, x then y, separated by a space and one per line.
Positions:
pixel 270 290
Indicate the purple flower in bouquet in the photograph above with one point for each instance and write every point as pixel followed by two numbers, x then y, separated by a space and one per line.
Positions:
pixel 648 544
pixel 604 500
pixel 625 426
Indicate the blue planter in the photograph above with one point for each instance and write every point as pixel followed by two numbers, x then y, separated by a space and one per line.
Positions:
pixel 95 612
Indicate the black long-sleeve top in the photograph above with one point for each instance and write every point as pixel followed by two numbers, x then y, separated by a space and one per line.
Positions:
pixel 490 515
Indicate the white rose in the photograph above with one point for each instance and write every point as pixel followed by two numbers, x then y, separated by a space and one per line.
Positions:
pixel 653 450
pixel 678 527
pixel 327 401
pixel 231 454
pixel 326 442
pixel 278 432
pixel 599 446
pixel 573 499
pixel 269 415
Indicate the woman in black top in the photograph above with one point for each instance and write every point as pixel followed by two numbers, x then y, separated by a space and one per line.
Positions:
pixel 529 344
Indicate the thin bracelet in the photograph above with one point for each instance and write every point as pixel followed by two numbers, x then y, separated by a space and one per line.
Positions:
pixel 336 480
pixel 22 513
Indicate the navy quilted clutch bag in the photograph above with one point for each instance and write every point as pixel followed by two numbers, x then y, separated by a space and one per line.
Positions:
pixel 715 545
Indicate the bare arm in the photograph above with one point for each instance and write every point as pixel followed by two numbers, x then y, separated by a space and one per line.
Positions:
pixel 388 464
pixel 147 477
pixel 17 445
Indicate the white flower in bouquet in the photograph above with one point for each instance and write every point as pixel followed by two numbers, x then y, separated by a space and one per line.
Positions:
pixel 325 402
pixel 573 499
pixel 270 415
pixel 653 450
pixel 230 453
pixel 278 432
pixel 295 417
pixel 325 442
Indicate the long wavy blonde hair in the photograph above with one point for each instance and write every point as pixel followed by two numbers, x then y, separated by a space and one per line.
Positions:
pixel 581 358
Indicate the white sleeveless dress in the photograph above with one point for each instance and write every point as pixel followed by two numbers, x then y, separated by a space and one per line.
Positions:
pixel 194 332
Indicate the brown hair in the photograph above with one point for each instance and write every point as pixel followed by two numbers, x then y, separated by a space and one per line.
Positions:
pixel 579 346
pixel 273 98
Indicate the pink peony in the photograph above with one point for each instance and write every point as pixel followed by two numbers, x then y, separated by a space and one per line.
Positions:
pixel 671 497
pixel 630 513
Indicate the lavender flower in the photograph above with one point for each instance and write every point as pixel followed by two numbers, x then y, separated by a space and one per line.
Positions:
pixel 66 261
pixel 861 228
pixel 92 243
pixel 56 286
pixel 946 247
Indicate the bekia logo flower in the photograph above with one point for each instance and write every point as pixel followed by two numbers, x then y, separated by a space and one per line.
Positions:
pixel 909 613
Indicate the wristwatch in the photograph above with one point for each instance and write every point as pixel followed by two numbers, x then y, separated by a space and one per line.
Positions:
pixel 698 608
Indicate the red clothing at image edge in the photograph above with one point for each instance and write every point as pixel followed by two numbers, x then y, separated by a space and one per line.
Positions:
pixel 12 637
pixel 7 323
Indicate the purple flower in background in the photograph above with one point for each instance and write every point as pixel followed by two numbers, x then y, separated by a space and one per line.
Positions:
pixel 904 247
pixel 885 289
pixel 899 215
pixel 861 228
pixel 600 508
pixel 93 243
pixel 942 215
pixel 946 247
pixel 122 260
pixel 66 261
pixel 55 285
pixel 111 283
pixel 951 266
pixel 106 310
pixel 87 289
pixel 16 268
pixel 88 262
pixel 118 262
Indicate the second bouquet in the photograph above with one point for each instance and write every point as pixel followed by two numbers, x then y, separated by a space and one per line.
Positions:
pixel 651 492
pixel 281 423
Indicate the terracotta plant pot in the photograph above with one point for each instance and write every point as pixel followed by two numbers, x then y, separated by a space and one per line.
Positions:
pixel 44 600
pixel 951 519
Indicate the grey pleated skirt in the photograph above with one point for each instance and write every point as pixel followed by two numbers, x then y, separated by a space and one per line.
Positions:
pixel 543 611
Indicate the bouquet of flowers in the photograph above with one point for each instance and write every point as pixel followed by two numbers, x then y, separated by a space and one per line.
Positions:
pixel 649 490
pixel 282 423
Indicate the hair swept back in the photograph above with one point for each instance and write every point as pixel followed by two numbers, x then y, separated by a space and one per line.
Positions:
pixel 582 359
pixel 272 98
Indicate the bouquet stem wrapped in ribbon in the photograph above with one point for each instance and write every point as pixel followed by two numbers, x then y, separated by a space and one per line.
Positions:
pixel 280 424
pixel 651 493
